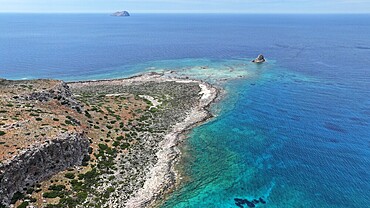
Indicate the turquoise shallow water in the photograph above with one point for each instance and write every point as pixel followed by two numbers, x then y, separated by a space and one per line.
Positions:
pixel 278 137
pixel 286 137
pixel 293 131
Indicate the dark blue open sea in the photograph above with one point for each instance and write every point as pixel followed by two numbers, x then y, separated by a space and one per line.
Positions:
pixel 294 131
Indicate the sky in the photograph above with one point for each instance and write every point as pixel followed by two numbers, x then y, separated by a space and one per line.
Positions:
pixel 187 6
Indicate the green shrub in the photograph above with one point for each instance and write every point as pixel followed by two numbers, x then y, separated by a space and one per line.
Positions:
pixel 90 149
pixel 53 194
pixel 91 174
pixel 30 190
pixel 85 160
pixel 81 176
pixel 23 205
pixel 65 202
pixel 77 185
pixel 57 187
pixel 125 145
pixel 115 143
pixel 111 151
pixel 103 146
pixel 53 206
pixel 110 189
pixel 2 133
pixel 81 195
pixel 69 175
pixel 16 196
pixel 33 200
pixel 87 114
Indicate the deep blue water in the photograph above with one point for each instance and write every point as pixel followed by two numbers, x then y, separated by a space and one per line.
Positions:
pixel 295 131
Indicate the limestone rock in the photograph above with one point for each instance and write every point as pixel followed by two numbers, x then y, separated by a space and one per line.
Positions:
pixel 60 92
pixel 259 59
pixel 41 161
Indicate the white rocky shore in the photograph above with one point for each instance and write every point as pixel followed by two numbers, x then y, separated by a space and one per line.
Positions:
pixel 162 177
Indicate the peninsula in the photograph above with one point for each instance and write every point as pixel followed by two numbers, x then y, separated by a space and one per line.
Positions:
pixel 108 143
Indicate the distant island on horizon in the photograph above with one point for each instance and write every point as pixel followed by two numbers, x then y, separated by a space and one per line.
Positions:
pixel 170 109
pixel 121 14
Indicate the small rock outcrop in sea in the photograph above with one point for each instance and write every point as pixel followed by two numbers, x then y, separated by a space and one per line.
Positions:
pixel 121 14
pixel 259 59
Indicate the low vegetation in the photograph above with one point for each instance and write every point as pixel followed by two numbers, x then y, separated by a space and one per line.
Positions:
pixel 124 131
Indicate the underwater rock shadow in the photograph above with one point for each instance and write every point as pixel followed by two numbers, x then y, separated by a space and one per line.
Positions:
pixel 241 202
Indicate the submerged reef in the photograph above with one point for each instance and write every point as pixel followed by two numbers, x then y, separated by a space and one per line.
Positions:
pixel 241 202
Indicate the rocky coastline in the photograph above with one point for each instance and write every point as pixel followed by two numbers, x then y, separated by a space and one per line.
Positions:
pixel 125 134
pixel 163 176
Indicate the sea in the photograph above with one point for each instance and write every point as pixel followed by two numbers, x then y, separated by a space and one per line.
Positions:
pixel 291 132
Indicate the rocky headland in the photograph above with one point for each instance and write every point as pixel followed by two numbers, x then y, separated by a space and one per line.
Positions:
pixel 108 143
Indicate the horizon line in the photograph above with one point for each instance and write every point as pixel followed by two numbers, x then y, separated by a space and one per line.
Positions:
pixel 186 12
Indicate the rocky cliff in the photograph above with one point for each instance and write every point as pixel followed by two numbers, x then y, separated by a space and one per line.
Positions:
pixel 40 162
